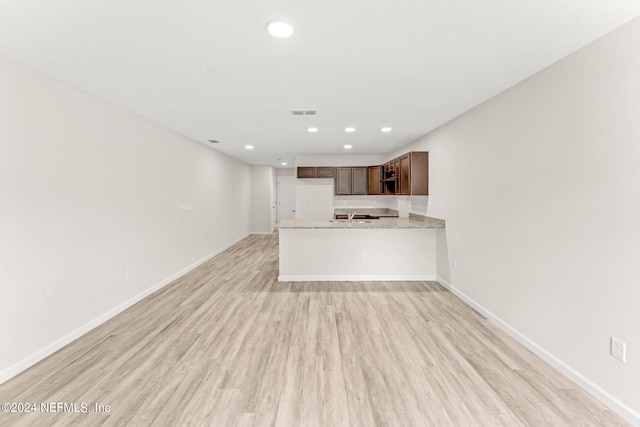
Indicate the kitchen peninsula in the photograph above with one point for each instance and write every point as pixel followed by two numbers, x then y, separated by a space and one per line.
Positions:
pixel 384 249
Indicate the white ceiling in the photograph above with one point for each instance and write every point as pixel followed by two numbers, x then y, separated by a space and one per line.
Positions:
pixel 209 70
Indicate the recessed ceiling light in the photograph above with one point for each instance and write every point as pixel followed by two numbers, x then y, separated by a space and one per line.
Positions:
pixel 312 130
pixel 249 147
pixel 386 129
pixel 280 29
pixel 350 129
pixel 284 163
pixel 348 146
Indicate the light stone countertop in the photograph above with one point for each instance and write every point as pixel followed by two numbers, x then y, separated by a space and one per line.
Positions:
pixel 415 221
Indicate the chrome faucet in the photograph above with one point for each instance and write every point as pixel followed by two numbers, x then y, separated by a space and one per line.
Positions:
pixel 350 216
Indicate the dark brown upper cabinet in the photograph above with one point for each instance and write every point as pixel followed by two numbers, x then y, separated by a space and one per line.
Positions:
pixel 405 175
pixel 351 180
pixel 376 185
pixel 343 181
pixel 418 173
pixel 316 172
pixel 359 180
pixel 325 172
pixel 306 172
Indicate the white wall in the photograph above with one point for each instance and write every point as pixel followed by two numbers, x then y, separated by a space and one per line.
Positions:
pixel 285 171
pixel 88 191
pixel 540 190
pixel 262 199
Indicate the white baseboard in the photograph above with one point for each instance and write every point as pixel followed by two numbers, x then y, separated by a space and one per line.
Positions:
pixel 602 395
pixel 51 348
pixel 355 278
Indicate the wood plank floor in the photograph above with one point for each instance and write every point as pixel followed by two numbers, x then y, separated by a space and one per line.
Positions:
pixel 228 345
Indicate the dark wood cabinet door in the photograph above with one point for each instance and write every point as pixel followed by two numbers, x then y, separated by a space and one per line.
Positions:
pixel 306 172
pixel 405 174
pixel 359 180
pixel 343 181
pixel 325 172
pixel 376 186
pixel 396 168
pixel 420 173
pixel 397 171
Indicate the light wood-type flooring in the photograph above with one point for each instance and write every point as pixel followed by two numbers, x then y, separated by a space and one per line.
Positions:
pixel 229 345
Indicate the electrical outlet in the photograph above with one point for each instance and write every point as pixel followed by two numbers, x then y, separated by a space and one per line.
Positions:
pixel 619 349
pixel 127 274
pixel 364 254
pixel 455 264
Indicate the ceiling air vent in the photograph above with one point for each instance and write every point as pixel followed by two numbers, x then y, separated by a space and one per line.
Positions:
pixel 214 141
pixel 304 112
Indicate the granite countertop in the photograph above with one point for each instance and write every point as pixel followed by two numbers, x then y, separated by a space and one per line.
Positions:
pixel 414 221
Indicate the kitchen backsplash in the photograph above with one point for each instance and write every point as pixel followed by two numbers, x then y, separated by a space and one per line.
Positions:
pixel 403 204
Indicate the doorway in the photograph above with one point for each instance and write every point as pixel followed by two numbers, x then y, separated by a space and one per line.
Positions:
pixel 285 198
